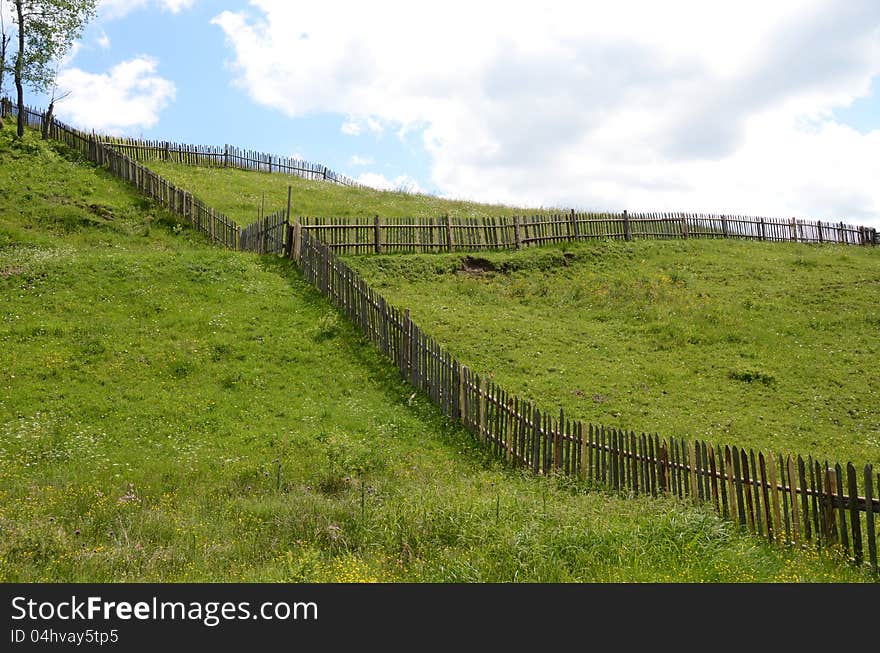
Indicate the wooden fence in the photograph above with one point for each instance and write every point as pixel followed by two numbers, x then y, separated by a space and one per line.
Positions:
pixel 220 228
pixel 225 157
pixel 442 234
pixel 784 498
pixel 198 155
pixel 266 235
pixel 787 499
pixel 450 234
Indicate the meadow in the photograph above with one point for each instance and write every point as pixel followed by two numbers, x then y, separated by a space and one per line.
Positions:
pixel 245 195
pixel 171 411
pixel 765 345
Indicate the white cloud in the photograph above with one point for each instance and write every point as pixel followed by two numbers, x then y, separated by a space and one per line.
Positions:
pixel 356 160
pixel 128 97
pixel 176 6
pixel 380 182
pixel 103 40
pixel 354 126
pixel 111 9
pixel 683 104
pixel 351 127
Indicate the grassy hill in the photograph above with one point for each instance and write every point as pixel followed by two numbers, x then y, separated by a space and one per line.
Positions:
pixel 174 412
pixel 241 194
pixel 767 345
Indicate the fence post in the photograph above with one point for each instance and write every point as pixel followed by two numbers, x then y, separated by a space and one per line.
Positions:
pixel 763 233
pixel 575 230
pixel 684 226
pixel 830 492
pixel 819 225
pixel 407 345
pixel 517 234
pixel 794 233
pixel 462 379
pixel 288 240
pixel 449 241
pixel 627 231
pixel 297 241
pixel 724 229
pixel 377 235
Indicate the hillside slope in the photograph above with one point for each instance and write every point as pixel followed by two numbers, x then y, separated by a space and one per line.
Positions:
pixel 172 411
pixel 243 194
pixel 765 345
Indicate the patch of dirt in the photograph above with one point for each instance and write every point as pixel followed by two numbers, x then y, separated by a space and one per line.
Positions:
pixel 101 211
pixel 474 265
pixel 11 270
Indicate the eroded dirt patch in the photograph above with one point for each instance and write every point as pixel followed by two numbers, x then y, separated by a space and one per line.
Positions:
pixel 474 265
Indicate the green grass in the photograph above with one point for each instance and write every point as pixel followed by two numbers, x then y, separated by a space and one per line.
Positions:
pixel 170 411
pixel 241 194
pixel 769 345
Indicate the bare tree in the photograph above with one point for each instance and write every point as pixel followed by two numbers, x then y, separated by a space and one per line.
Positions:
pixel 55 97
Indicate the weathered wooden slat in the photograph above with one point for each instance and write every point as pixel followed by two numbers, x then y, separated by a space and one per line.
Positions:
pixel 664 465
pixel 854 515
pixel 604 454
pixel 815 493
pixel 722 478
pixel 756 493
pixel 830 526
pixel 793 491
pixel 536 441
pixel 870 532
pixel 737 481
pixel 765 492
pixel 708 477
pixel 805 506
pixel 841 507
pixel 697 458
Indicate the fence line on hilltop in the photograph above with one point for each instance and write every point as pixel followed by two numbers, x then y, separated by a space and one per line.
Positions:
pixel 226 156
pixel 788 499
pixel 221 229
pixel 441 234
pixel 451 234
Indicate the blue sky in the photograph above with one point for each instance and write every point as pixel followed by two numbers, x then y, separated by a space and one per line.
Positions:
pixel 760 108
pixel 208 107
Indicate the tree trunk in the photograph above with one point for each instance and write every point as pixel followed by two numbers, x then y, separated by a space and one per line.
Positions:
pixel 19 62
pixel 4 43
pixel 47 120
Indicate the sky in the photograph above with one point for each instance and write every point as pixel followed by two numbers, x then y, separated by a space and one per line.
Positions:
pixel 754 107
